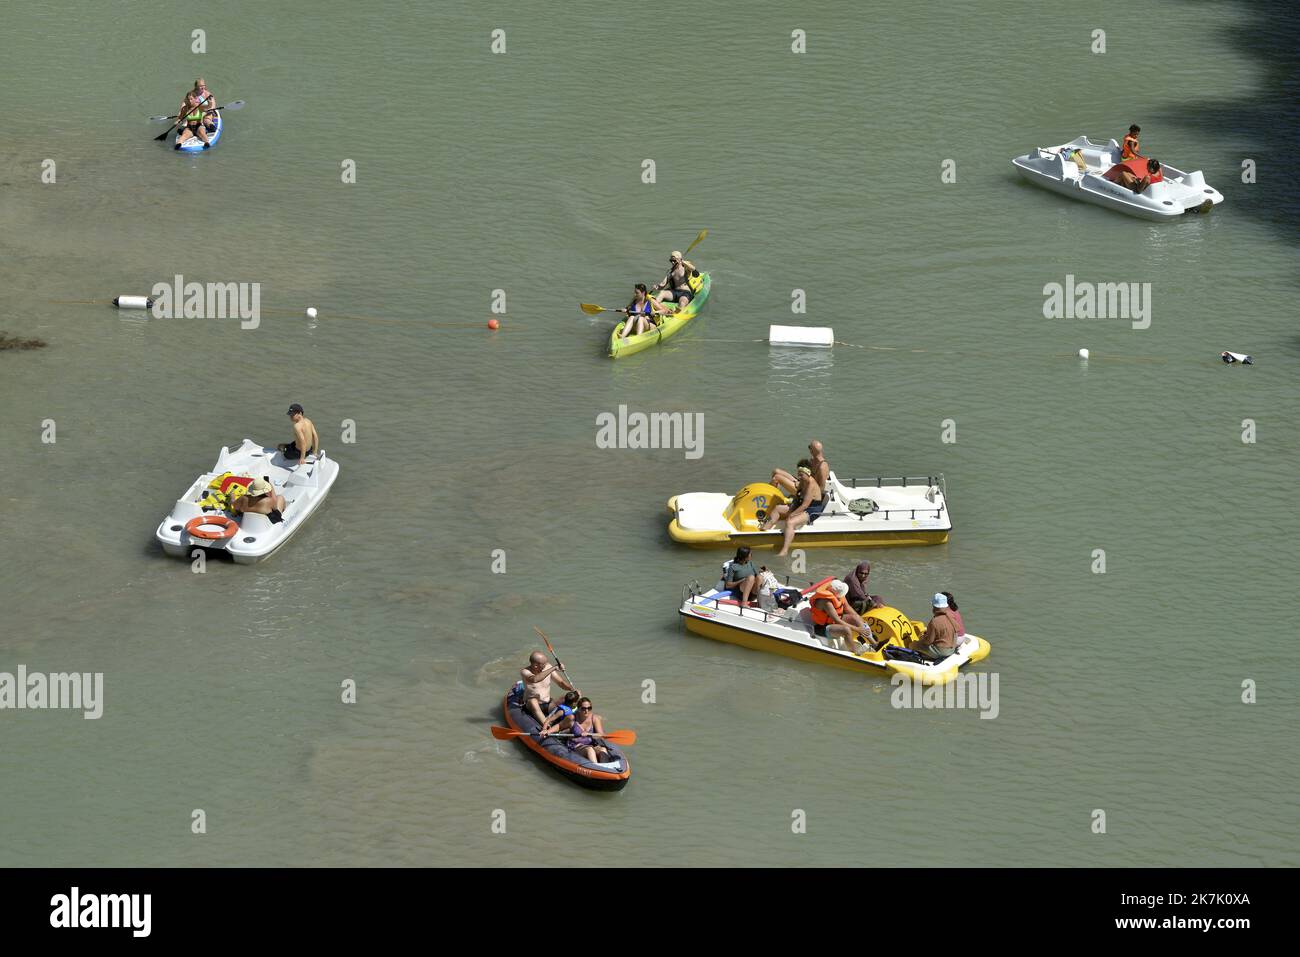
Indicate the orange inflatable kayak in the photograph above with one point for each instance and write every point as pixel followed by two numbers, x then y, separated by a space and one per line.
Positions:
pixel 556 753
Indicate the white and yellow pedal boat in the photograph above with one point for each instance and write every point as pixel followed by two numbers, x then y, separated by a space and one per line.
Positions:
pixel 907 510
pixel 715 614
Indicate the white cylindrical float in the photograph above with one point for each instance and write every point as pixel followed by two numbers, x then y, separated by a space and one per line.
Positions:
pixel 133 302
pixel 815 337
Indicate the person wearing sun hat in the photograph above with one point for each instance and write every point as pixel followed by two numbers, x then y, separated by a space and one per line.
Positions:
pixel 261 499
pixel 940 638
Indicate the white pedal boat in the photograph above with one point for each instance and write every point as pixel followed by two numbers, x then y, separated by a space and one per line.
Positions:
pixel 789 632
pixel 304 487
pixel 908 510
pixel 1052 168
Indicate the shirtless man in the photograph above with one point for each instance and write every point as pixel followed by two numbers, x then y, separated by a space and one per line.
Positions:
pixel 305 440
pixel 820 467
pixel 675 287
pixel 537 685
pixel 803 509
pixel 261 498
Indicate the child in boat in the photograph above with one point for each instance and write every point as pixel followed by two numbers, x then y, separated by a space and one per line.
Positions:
pixel 1131 147
pixel 562 710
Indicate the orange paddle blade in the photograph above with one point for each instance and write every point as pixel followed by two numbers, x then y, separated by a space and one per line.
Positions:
pixel 504 734
pixel 626 736
pixel 545 639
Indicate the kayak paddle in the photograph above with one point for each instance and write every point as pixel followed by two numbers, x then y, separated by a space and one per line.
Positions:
pixel 592 309
pixel 558 663
pixel 698 239
pixel 236 105
pixel 622 736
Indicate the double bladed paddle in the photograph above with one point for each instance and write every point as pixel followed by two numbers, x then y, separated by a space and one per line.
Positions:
pixel 622 736
pixel 591 309
pixel 236 105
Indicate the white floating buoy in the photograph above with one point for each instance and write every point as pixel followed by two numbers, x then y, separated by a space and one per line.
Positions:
pixel 133 302
pixel 1083 353
pixel 1230 357
pixel 817 337
pixel 311 312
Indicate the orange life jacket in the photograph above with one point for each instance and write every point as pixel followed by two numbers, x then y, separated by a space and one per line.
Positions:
pixel 820 617
pixel 1128 152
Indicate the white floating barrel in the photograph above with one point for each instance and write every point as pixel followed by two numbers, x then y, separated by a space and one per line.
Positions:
pixel 133 302
pixel 816 337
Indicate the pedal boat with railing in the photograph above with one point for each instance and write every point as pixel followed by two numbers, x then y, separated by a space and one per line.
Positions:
pixel 903 510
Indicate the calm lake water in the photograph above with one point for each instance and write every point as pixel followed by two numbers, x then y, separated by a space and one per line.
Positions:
pixel 522 172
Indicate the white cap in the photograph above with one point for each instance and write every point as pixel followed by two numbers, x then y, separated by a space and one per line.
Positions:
pixel 940 600
pixel 839 587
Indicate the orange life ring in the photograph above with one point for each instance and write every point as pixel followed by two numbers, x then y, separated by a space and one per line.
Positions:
pixel 228 526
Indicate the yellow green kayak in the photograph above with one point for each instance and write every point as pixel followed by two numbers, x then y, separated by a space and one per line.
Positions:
pixel 669 325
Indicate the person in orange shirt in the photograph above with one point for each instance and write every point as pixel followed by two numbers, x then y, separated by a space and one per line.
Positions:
pixel 1131 148
pixel 833 618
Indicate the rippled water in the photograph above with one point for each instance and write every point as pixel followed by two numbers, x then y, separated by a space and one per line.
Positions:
pixel 521 172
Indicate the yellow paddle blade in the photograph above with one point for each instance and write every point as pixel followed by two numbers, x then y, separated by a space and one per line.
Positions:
pixel 591 309
pixel 698 239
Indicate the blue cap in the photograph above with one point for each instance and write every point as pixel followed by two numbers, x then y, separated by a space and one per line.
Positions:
pixel 940 600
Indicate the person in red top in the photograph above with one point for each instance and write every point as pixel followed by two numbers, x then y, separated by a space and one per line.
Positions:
pixel 833 618
pixel 956 615
pixel 1124 174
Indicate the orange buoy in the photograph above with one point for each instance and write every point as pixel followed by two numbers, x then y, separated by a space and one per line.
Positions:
pixel 494 324
pixel 195 527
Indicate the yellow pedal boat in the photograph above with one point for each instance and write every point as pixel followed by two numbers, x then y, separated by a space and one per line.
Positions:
pixel 908 510
pixel 789 632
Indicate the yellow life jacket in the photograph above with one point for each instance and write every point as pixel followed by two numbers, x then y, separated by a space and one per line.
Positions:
pixel 215 497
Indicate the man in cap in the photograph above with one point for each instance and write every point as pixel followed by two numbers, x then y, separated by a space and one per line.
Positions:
pixel 676 286
pixel 305 440
pixel 940 638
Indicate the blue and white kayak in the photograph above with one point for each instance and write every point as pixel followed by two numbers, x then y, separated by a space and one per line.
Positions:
pixel 195 145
